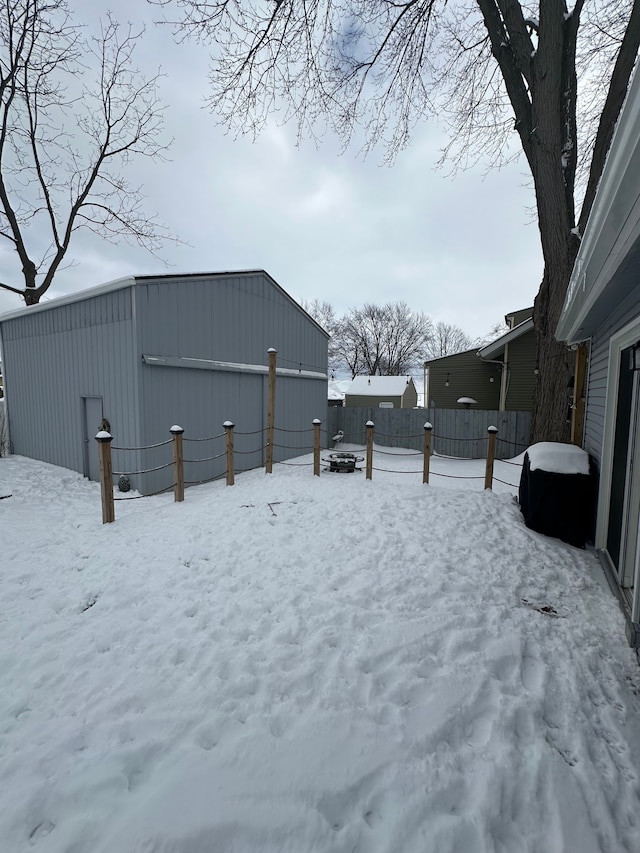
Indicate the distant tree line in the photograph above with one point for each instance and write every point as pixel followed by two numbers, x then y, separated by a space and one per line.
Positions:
pixel 387 340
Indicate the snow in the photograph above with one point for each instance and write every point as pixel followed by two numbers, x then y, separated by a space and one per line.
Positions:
pixel 558 458
pixel 302 664
pixel 336 389
pixel 378 386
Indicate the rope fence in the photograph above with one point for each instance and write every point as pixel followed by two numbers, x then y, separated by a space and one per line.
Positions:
pixel 336 460
pixel 208 438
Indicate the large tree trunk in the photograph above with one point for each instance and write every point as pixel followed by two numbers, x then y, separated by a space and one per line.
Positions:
pixel 551 411
pixel 552 154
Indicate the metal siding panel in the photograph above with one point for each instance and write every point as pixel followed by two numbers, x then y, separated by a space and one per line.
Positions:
pixel 96 352
pixel 200 402
pixel 228 318
pixel 63 354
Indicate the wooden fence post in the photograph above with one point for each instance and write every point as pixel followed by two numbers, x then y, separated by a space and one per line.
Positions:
pixel 271 409
pixel 370 425
pixel 491 455
pixel 426 452
pixel 104 440
pixel 178 463
pixel 228 428
pixel 316 447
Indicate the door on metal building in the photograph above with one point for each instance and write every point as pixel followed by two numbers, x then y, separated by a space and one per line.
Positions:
pixel 92 415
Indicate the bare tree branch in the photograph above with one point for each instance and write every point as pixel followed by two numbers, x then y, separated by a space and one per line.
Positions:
pixel 62 136
pixel 556 76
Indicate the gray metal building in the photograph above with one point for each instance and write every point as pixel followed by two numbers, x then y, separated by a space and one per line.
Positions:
pixel 146 352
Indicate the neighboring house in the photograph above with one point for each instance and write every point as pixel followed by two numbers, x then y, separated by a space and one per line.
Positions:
pixel 143 353
pixel 501 376
pixel 603 308
pixel 514 355
pixel 335 396
pixel 462 374
pixel 382 392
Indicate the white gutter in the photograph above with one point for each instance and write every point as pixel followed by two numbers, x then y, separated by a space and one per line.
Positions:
pixel 493 349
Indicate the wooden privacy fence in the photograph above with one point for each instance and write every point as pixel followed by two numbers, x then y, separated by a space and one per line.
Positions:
pixel 178 460
pixel 456 432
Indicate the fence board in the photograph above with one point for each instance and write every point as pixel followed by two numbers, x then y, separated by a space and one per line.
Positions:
pixel 456 432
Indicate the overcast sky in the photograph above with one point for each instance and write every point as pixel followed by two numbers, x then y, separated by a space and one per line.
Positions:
pixel 325 225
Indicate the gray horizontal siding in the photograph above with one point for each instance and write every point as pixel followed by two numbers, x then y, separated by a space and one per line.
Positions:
pixel 360 401
pixel 628 309
pixel 468 376
pixel 521 357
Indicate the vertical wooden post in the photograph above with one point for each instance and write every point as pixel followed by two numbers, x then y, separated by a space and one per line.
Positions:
pixel 426 452
pixel 316 447
pixel 228 428
pixel 104 440
pixel 491 455
pixel 370 425
pixel 579 382
pixel 271 409
pixel 178 464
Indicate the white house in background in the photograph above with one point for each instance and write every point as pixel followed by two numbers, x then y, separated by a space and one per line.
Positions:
pixel 382 392
pixel 337 387
pixel 602 309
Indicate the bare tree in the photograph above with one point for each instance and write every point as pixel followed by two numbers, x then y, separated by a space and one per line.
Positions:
pixel 385 340
pixel 497 330
pixel 73 112
pixel 498 70
pixel 324 314
pixel 447 339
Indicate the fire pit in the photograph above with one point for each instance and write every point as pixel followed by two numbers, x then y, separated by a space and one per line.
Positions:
pixel 342 460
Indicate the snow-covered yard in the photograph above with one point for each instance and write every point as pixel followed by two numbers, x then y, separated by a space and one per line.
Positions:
pixel 302 664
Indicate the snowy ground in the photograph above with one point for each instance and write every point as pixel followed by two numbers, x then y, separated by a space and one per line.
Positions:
pixel 302 664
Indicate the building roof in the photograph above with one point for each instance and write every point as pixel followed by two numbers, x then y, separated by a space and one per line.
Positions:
pixel 378 386
pixel 496 348
pixel 429 362
pixel 336 388
pixel 518 316
pixel 133 280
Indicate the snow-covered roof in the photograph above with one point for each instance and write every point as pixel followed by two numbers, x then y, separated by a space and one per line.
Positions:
pixel 378 386
pixel 337 389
